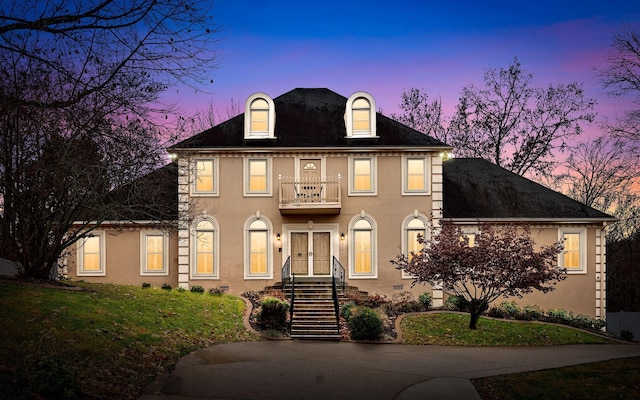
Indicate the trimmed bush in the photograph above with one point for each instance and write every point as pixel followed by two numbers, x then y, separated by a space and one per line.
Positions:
pixel 455 303
pixel 560 316
pixel 197 289
pixel 272 313
pixel 365 324
pixel 146 285
pixel 626 335
pixel 166 286
pixel 532 313
pixel 216 291
pixel 426 300
pixel 346 310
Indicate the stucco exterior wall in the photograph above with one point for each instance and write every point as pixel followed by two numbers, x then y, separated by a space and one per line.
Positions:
pixel 122 260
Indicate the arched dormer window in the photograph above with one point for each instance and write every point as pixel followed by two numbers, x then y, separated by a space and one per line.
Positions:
pixel 360 115
pixel 259 117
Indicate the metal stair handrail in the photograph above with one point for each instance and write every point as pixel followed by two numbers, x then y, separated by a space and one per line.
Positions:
pixel 338 272
pixel 286 271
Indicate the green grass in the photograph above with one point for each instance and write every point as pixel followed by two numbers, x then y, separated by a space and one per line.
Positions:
pixel 614 379
pixel 105 341
pixel 448 329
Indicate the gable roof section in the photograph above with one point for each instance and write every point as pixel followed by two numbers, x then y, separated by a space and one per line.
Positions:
pixel 477 189
pixel 309 118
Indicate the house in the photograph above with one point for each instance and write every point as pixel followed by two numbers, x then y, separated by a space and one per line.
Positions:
pixel 310 183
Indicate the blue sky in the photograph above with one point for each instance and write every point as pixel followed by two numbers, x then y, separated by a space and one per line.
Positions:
pixel 386 47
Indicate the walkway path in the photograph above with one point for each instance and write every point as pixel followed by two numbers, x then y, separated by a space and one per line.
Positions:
pixel 295 369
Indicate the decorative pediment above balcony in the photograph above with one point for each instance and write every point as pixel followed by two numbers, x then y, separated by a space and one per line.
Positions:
pixel 310 195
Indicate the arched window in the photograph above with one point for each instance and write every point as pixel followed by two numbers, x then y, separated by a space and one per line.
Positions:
pixel 360 115
pixel 259 117
pixel 258 245
pixel 205 249
pixel 413 226
pixel 363 247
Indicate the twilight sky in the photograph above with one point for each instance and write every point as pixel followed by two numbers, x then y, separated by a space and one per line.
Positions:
pixel 386 47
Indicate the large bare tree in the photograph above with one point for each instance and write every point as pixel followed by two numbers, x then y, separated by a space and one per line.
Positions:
pixel 515 124
pixel 421 114
pixel 80 84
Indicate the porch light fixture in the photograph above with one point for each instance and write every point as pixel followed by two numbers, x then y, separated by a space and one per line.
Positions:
pixel 278 237
pixel 342 236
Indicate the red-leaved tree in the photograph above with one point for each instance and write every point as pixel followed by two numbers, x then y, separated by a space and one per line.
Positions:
pixel 502 261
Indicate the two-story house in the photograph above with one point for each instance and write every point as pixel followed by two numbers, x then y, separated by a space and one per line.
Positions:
pixel 311 182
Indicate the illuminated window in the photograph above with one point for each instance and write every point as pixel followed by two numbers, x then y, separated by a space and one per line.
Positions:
pixel 205 249
pixel 154 253
pixel 361 110
pixel 415 171
pixel 205 177
pixel 91 257
pixel 257 173
pixel 259 117
pixel 362 247
pixel 413 226
pixel 360 115
pixel 258 245
pixel 362 176
pixel 573 258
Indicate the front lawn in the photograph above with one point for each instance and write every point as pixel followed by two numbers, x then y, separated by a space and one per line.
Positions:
pixel 104 341
pixel 450 329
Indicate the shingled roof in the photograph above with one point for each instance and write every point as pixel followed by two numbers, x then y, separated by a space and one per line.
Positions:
pixel 477 189
pixel 309 118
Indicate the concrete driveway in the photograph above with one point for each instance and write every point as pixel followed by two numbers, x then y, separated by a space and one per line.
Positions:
pixel 294 369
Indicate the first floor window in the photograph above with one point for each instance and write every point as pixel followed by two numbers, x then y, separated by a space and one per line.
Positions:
pixel 206 249
pixel 154 258
pixel 258 248
pixel 573 257
pixel 91 257
pixel 363 247
pixel 414 226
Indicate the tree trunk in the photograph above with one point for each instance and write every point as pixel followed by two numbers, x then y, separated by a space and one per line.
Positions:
pixel 476 308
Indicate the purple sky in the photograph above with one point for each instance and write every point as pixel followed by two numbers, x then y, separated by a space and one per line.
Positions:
pixel 386 47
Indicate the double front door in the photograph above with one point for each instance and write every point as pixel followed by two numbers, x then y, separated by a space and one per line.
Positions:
pixel 311 253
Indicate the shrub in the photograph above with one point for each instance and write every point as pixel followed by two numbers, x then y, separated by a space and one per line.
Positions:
pixel 426 300
pixel 166 286
pixel 532 313
pixel 560 316
pixel 401 303
pixel 455 303
pixel 181 289
pixel 216 291
pixel 586 322
pixel 146 285
pixel 272 313
pixel 197 289
pixel 626 335
pixel 375 300
pixel 347 309
pixel 365 323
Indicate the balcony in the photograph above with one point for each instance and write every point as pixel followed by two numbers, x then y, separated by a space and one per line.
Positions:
pixel 310 195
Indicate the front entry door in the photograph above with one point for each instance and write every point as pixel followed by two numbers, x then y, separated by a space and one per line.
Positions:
pixel 311 253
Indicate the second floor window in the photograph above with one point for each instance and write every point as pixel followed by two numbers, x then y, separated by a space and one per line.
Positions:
pixel 415 171
pixel 362 176
pixel 257 173
pixel 205 179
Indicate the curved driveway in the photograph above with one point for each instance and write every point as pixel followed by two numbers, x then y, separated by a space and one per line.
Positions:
pixel 296 369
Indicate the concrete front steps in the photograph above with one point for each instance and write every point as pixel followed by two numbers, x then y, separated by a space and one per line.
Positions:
pixel 314 315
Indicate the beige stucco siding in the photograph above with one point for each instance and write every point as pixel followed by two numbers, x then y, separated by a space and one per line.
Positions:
pixel 122 260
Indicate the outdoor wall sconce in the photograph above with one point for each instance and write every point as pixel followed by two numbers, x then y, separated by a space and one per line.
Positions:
pixel 342 236
pixel 278 237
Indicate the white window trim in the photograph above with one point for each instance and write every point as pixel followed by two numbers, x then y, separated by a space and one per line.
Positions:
pixel 374 248
pixel 427 177
pixel 194 174
pixel 405 226
pixel 247 248
pixel 103 257
pixel 582 232
pixel 143 253
pixel 348 116
pixel 374 177
pixel 247 191
pixel 270 134
pixel 194 249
